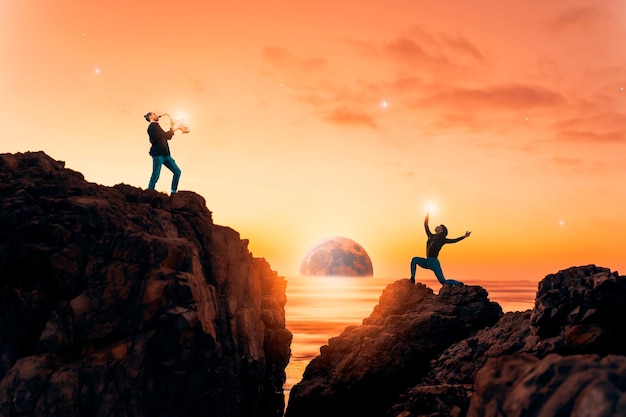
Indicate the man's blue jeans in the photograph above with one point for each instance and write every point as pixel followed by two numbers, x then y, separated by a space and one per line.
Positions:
pixel 168 161
pixel 434 265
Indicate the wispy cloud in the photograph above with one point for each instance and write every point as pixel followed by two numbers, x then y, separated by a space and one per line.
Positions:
pixel 604 127
pixel 495 97
pixel 567 162
pixel 579 18
pixel 592 137
pixel 345 116
pixel 441 74
pixel 464 46
pixel 410 52
pixel 439 55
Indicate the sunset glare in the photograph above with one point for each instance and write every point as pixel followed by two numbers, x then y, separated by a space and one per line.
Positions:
pixel 322 118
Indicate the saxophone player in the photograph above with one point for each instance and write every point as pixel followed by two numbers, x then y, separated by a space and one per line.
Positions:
pixel 160 150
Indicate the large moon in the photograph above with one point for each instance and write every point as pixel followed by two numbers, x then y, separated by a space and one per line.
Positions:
pixel 337 256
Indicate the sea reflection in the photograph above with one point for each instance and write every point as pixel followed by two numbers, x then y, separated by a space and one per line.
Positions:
pixel 319 308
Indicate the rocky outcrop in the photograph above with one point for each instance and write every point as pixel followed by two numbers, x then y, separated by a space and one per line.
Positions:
pixel 576 385
pixel 580 310
pixel 574 361
pixel 115 301
pixel 362 370
pixel 565 357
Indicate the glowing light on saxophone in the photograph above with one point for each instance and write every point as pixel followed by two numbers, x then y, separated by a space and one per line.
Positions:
pixel 178 123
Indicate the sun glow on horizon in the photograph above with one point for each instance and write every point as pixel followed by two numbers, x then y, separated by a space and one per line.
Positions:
pixel 331 299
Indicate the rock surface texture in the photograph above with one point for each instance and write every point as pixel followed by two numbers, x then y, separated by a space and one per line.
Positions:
pixel 361 371
pixel 115 301
pixel 456 354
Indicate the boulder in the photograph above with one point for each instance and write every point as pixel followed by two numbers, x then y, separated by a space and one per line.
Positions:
pixel 579 310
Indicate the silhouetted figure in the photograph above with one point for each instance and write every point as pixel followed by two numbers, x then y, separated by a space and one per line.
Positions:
pixel 160 151
pixel 433 245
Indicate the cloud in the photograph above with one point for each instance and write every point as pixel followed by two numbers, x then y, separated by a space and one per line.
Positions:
pixel 464 46
pixel 426 71
pixel 340 102
pixel 511 96
pixel 465 120
pixel 576 19
pixel 439 52
pixel 344 116
pixel 600 128
pixel 327 98
pixel 592 137
pixel 409 52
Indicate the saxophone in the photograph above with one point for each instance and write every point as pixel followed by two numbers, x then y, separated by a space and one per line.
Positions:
pixel 177 123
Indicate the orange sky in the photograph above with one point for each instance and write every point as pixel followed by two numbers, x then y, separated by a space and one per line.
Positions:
pixel 508 115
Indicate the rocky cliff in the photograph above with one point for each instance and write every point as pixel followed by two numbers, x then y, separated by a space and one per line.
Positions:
pixel 116 301
pixel 456 354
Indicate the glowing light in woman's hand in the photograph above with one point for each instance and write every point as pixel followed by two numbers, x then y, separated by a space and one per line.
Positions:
pixel 431 207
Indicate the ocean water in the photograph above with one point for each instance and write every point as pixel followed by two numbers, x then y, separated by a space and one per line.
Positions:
pixel 319 308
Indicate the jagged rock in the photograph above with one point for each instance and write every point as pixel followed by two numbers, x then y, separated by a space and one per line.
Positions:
pixel 515 367
pixel 575 312
pixel 451 400
pixel 448 386
pixel 459 363
pixel 577 386
pixel 361 371
pixel 116 301
pixel 578 310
